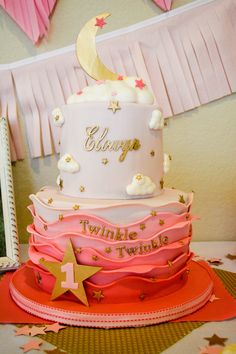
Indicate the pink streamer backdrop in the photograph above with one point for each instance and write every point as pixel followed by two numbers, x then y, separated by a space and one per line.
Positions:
pixel 187 59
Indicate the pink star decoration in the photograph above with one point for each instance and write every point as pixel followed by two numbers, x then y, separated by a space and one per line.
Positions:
pixel 100 22
pixel 55 327
pixel 164 4
pixel 37 330
pixel 22 331
pixel 139 84
pixel 32 344
pixel 213 298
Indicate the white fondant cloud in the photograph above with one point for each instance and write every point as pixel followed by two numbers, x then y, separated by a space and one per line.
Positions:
pixel 68 164
pixel 157 120
pixel 166 163
pixel 141 185
pixel 58 118
pixel 118 90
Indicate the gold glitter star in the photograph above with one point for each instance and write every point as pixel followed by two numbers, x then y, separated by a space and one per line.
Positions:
pixel 108 249
pixel 142 296
pixel 98 295
pixel 161 222
pixel 162 183
pixel 57 117
pixel 76 207
pixel 181 242
pixel 153 213
pixel 170 264
pixel 152 153
pixel 138 177
pixel 114 106
pixel 39 278
pixel 50 200
pixel 78 250
pixel 60 217
pixel 82 189
pixel 61 184
pixel 80 273
pixel 142 227
pixel 68 159
pixel 105 161
pixel 181 199
pixel 95 258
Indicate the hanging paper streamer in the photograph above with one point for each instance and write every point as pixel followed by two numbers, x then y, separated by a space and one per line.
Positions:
pixel 187 57
pixel 164 4
pixel 31 15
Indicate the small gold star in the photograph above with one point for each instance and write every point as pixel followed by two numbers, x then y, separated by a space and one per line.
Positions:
pixel 142 296
pixel 68 159
pixel 45 227
pixel 153 279
pixel 78 250
pixel 142 227
pixel 76 207
pixel 181 242
pixel 114 106
pixel 181 199
pixel 50 200
pixel 161 222
pixel 162 183
pixel 57 117
pixel 170 264
pixel 61 184
pixel 95 258
pixel 105 161
pixel 82 189
pixel 138 177
pixel 39 278
pixel 213 340
pixel 98 295
pixel 153 213
pixel 61 217
pixel 108 249
pixel 152 153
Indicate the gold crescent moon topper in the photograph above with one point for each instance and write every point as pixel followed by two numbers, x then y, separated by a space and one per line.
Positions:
pixel 87 53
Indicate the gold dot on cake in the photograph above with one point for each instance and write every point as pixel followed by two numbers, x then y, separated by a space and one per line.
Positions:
pixel 162 183
pixel 108 249
pixel 94 258
pixel 78 250
pixel 98 295
pixel 161 222
pixel 61 184
pixel 81 189
pixel 142 296
pixel 114 106
pixel 152 153
pixel 138 177
pixel 57 117
pixel 105 161
pixel 45 227
pixel 76 207
pixel 170 264
pixel 142 227
pixel 68 159
pixel 50 200
pixel 60 217
pixel 181 242
pixel 181 199
pixel 153 213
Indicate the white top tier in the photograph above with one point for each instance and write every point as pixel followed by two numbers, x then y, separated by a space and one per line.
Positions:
pixel 109 153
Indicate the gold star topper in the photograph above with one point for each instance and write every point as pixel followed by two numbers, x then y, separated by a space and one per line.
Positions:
pixel 69 275
pixel 114 106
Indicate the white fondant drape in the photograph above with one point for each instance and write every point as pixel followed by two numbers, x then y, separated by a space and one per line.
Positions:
pixel 187 59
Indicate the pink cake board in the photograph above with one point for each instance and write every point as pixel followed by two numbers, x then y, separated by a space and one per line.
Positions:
pixel 191 302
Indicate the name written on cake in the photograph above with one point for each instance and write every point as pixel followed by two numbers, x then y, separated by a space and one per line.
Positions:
pixel 96 140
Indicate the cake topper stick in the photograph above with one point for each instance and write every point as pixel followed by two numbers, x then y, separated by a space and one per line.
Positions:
pixel 87 53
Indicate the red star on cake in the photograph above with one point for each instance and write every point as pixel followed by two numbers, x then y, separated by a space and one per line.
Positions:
pixel 139 84
pixel 100 22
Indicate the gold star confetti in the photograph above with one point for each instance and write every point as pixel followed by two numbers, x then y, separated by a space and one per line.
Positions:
pixel 76 207
pixel 161 222
pixel 45 227
pixel 162 183
pixel 95 258
pixel 138 177
pixel 108 249
pixel 68 159
pixel 80 273
pixel 60 217
pixel 50 200
pixel 142 296
pixel 98 295
pixel 114 106
pixel 170 264
pixel 56 117
pixel 153 279
pixel 181 199
pixel 213 340
pixel 153 213
pixel 82 189
pixel 142 227
pixel 152 153
pixel 78 250
pixel 105 161
pixel 61 184
pixel 181 242
pixel 38 278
